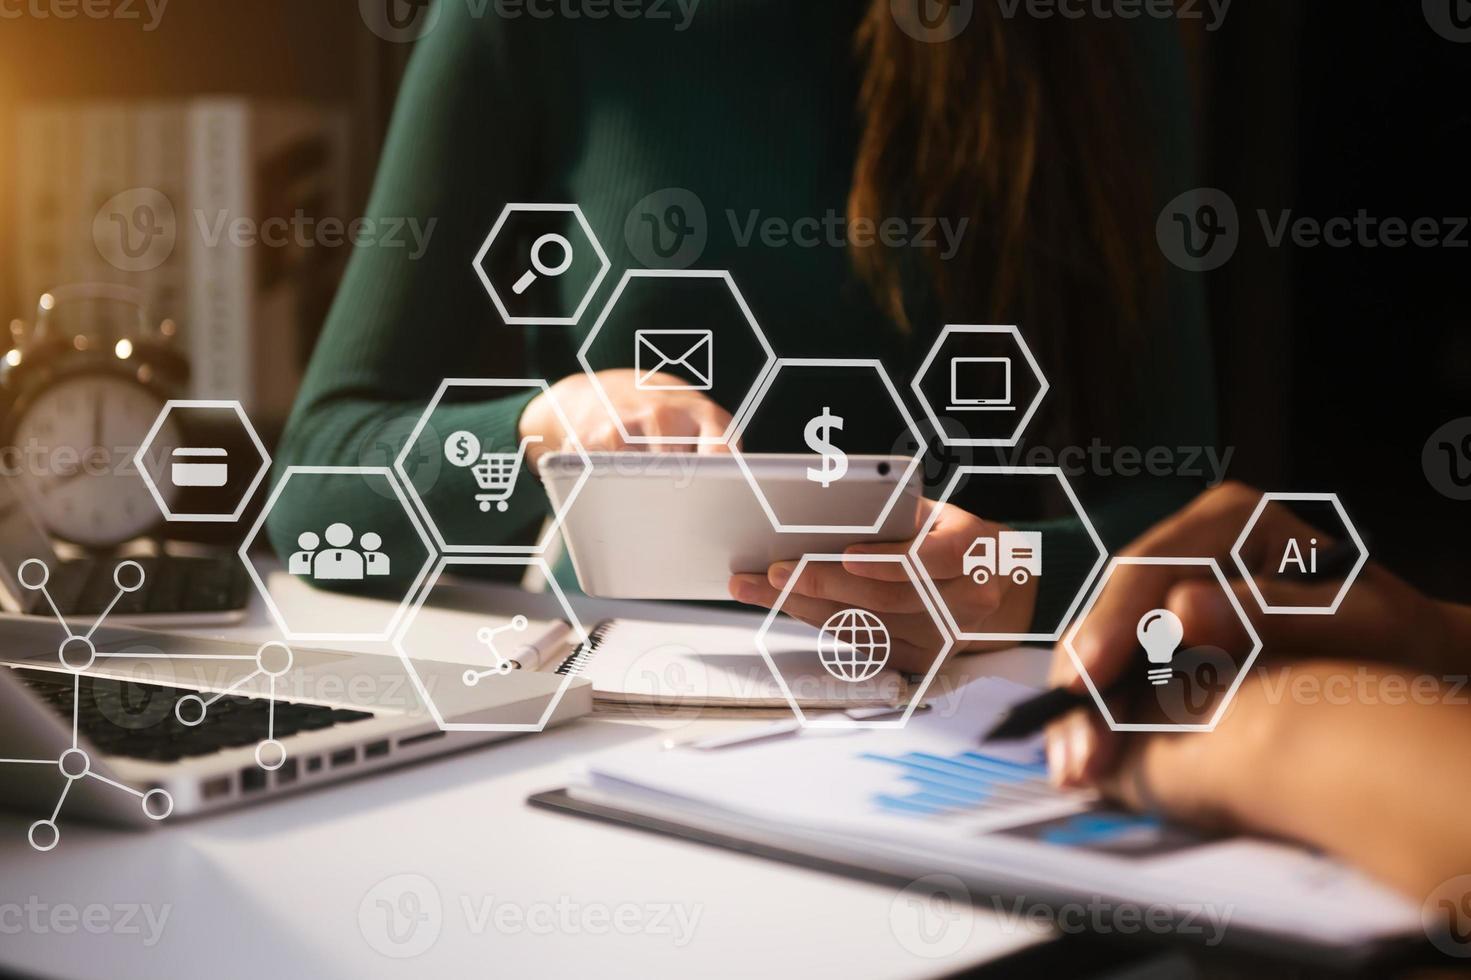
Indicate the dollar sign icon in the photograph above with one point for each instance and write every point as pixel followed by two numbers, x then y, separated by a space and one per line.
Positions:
pixel 819 435
pixel 462 448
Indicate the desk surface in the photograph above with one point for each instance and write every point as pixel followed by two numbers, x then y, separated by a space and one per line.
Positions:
pixel 312 885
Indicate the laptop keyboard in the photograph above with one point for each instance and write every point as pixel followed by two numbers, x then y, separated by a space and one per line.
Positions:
pixel 137 721
pixel 171 584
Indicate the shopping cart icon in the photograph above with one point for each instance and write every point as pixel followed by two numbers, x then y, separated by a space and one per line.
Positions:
pixel 496 475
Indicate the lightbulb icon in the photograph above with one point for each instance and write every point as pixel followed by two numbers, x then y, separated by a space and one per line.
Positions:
pixel 1160 632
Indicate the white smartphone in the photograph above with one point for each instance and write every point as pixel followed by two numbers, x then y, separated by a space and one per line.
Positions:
pixel 678 525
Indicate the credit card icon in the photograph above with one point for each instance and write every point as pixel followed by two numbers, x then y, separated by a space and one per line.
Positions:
pixel 200 467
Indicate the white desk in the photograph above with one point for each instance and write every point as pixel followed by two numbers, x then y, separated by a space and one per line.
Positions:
pixel 274 891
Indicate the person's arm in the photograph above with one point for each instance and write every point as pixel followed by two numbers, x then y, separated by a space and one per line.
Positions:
pixel 403 320
pixel 1364 762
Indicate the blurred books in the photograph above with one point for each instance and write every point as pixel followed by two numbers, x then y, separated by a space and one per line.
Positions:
pixel 172 197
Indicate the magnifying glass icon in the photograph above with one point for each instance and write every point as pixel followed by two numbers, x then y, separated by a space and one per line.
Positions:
pixel 539 265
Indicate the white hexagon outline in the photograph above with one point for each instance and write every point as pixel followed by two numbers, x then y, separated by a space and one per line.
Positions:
pixel 1348 581
pixel 1256 644
pixel 843 721
pixel 730 430
pixel 829 362
pixel 551 321
pixel 1077 505
pixel 140 461
pixel 265 593
pixel 558 513
pixel 977 328
pixel 447 561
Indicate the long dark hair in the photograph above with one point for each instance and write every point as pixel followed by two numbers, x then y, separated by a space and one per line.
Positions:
pixel 1025 127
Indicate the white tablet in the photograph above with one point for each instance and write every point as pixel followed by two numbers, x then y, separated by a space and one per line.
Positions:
pixel 678 525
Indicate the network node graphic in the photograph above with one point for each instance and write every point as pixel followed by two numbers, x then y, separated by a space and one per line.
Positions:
pixel 78 652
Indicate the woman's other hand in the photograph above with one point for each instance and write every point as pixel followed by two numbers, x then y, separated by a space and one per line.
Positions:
pixel 883 588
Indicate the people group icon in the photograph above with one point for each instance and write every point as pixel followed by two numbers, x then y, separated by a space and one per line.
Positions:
pixel 339 561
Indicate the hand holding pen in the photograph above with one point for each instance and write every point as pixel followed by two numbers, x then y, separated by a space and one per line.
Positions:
pixel 1380 612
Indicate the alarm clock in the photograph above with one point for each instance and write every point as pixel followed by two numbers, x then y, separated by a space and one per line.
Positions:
pixel 81 389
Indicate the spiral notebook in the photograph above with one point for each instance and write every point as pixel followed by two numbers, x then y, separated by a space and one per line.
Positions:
pixel 681 665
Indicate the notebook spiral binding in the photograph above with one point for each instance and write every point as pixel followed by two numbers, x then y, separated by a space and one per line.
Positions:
pixel 578 660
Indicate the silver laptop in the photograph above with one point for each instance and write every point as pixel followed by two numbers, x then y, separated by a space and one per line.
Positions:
pixel 203 587
pixel 142 748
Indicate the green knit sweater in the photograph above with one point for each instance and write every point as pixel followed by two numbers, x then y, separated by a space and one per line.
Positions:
pixel 750 108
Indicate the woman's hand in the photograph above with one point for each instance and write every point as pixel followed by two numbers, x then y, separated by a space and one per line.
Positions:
pixel 665 414
pixel 884 589
pixel 1362 775
pixel 1381 617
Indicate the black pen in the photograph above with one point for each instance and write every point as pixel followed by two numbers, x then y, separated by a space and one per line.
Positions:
pixel 1027 718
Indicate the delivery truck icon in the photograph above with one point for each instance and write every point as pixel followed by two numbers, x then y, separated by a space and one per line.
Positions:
pixel 1014 553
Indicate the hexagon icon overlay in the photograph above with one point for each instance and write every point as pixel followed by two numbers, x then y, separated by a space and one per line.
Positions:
pixel 465 475
pixel 140 460
pixel 466 639
pixel 645 276
pixel 547 256
pixel 342 608
pixel 1011 471
pixel 743 422
pixel 1223 704
pixel 1349 529
pixel 1024 417
pixel 916 694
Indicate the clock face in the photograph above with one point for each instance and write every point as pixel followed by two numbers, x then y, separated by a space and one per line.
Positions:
pixel 75 446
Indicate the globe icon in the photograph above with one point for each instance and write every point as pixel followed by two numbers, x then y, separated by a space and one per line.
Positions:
pixel 853 645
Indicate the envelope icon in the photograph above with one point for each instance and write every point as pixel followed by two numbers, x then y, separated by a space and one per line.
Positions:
pixel 665 350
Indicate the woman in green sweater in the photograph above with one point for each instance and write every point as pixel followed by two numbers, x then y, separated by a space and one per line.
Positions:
pixel 1056 142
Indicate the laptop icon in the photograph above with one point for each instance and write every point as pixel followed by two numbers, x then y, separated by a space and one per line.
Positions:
pixel 980 384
